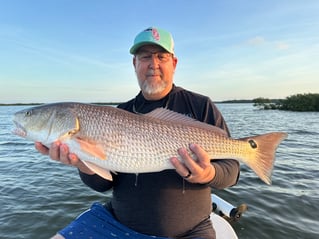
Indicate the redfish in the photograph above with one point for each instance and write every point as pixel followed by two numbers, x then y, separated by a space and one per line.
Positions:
pixel 108 139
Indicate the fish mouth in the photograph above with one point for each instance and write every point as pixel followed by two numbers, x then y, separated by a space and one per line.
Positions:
pixel 19 130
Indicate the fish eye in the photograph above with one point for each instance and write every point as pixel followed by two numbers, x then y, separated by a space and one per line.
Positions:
pixel 28 113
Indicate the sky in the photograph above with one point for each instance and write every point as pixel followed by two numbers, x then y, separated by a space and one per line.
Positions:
pixel 67 50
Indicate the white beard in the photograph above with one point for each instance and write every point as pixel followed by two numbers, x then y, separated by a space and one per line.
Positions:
pixel 150 88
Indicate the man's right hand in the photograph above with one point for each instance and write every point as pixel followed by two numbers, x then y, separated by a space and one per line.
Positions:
pixel 60 152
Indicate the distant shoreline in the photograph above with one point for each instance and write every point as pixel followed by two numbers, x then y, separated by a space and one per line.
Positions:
pixel 117 103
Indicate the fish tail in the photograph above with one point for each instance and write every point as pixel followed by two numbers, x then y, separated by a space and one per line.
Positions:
pixel 262 161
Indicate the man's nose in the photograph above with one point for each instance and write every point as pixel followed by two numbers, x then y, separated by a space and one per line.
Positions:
pixel 154 61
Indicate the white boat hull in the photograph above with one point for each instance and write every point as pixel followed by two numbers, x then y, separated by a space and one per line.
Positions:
pixel 223 229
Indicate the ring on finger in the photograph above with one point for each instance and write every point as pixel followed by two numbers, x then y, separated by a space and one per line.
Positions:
pixel 188 175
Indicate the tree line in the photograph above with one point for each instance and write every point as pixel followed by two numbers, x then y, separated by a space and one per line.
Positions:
pixel 298 102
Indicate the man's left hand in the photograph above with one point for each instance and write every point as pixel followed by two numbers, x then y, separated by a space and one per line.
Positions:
pixel 198 170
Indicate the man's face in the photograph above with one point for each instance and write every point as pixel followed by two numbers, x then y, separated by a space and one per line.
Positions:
pixel 154 69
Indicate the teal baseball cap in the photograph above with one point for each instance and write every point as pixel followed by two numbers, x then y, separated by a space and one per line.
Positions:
pixel 153 35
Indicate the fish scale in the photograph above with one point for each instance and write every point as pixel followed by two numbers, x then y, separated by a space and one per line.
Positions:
pixel 110 139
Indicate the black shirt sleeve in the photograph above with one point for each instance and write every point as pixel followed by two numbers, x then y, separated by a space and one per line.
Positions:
pixel 96 182
pixel 227 170
pixel 202 108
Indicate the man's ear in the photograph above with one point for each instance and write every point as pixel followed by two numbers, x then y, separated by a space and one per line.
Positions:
pixel 134 61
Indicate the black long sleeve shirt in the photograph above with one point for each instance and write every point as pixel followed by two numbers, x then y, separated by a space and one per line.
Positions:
pixel 163 203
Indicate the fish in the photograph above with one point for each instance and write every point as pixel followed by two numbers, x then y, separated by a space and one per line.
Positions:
pixel 108 139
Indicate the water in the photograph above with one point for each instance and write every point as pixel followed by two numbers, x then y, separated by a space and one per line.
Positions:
pixel 38 196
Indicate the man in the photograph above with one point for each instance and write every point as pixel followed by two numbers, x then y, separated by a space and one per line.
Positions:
pixel 171 203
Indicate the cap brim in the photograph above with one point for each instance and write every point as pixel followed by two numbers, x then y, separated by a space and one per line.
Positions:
pixel 140 44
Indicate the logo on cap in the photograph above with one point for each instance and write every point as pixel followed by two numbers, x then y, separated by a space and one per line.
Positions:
pixel 155 33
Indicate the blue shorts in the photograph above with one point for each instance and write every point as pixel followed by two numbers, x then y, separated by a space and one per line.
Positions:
pixel 98 223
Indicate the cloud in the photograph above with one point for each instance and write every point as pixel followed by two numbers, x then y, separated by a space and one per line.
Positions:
pixel 256 41
pixel 282 46
pixel 259 40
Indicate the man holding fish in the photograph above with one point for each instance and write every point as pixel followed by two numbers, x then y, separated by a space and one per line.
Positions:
pixel 170 203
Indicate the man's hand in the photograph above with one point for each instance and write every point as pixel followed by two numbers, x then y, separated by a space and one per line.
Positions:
pixel 198 170
pixel 60 152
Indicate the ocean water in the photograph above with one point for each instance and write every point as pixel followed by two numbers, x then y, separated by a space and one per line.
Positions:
pixel 38 196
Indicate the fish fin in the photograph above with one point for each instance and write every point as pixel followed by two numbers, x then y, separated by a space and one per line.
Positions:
pixel 91 148
pixel 180 119
pixel 98 170
pixel 71 132
pixel 262 162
